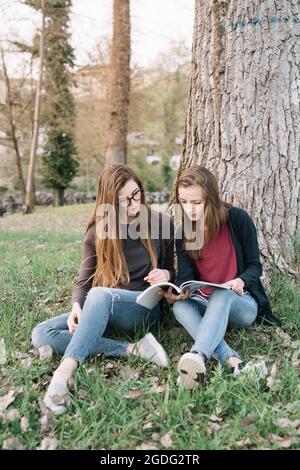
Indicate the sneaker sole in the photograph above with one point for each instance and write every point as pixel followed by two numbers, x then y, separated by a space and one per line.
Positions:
pixel 191 371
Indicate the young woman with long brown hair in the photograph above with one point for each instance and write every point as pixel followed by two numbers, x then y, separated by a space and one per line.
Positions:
pixel 228 253
pixel 127 247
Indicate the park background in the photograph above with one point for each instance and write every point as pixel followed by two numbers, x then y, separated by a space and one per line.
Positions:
pixel 160 86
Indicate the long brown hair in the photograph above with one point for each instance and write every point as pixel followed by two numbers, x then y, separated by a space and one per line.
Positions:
pixel 215 209
pixel 111 266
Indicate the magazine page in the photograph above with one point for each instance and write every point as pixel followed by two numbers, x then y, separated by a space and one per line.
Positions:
pixel 150 297
pixel 194 285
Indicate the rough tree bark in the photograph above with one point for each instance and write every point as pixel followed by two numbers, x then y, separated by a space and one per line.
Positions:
pixel 243 117
pixel 29 196
pixel 116 141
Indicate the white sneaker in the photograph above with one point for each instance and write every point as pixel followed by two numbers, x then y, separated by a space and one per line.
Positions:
pixel 57 398
pixel 149 348
pixel 192 370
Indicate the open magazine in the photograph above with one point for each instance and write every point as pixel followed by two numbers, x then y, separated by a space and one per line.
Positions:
pixel 150 297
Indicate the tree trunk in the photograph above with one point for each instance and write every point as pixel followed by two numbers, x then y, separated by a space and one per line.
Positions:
pixel 13 131
pixel 116 141
pixel 243 119
pixel 58 197
pixel 29 196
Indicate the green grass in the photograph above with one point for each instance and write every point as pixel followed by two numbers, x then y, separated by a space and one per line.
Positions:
pixel 39 260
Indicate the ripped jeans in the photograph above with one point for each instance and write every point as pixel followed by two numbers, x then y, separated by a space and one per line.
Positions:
pixel 103 308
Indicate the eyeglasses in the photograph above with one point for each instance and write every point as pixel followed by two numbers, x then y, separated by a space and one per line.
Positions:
pixel 126 201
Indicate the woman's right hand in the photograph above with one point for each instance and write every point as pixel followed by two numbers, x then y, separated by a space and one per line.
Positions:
pixel 74 317
pixel 171 297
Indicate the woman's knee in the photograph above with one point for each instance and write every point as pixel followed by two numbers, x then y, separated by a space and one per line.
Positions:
pixel 179 309
pixel 222 294
pixel 99 294
pixel 39 335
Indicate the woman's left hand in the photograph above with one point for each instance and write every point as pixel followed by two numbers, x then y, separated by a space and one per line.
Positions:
pixel 237 285
pixel 157 275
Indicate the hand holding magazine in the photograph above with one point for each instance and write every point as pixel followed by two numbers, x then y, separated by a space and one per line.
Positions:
pixel 150 297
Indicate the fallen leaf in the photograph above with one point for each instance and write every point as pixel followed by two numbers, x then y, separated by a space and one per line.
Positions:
pixel 49 443
pixel 296 358
pixel 153 380
pixel 244 442
pixel 286 423
pixel 283 442
pixel 271 378
pixel 21 355
pixel 12 415
pixel 212 428
pixel 286 442
pixel 175 359
pixel 184 348
pixel 27 363
pixel 34 352
pixel 150 425
pixel 47 421
pixel 45 352
pixel 149 446
pixel 7 399
pixel 155 436
pixel 157 388
pixel 3 355
pixel 82 393
pixel 133 394
pixel 286 339
pixel 109 366
pixel 47 418
pixel 127 372
pixel 12 443
pixel 24 424
pixel 215 419
pixel 166 440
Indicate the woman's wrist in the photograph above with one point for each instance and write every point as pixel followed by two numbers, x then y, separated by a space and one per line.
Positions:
pixel 76 305
pixel 168 274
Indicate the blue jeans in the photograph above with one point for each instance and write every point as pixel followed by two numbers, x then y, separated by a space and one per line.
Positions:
pixel 207 321
pixel 103 308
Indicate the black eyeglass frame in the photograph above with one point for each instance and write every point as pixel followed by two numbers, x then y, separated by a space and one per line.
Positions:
pixel 132 197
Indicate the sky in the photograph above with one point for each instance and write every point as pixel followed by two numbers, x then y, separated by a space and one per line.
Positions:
pixel 155 24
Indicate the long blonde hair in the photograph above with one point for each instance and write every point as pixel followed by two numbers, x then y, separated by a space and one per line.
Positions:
pixel 111 266
pixel 215 209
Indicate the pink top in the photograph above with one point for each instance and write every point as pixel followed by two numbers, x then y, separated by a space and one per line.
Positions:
pixel 218 263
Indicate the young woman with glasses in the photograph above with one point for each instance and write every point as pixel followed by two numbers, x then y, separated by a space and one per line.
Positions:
pixel 124 251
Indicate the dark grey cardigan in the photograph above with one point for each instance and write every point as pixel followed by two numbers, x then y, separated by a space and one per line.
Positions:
pixel 244 237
